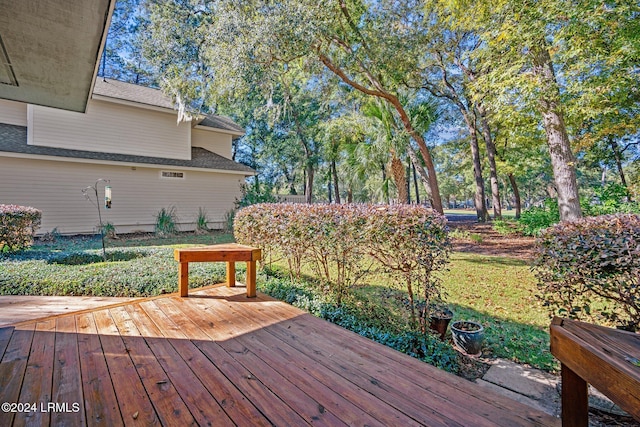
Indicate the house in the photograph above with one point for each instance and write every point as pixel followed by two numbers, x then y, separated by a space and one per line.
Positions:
pixel 130 136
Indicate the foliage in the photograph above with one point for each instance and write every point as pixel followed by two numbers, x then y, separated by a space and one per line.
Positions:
pixel 253 194
pixel 596 259
pixel 505 227
pixel 18 224
pixel 166 221
pixel 611 199
pixel 202 222
pixel 365 319
pixel 535 219
pixel 133 272
pixel 339 242
pixel 109 230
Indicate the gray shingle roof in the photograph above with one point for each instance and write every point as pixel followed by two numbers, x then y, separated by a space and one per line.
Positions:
pixel 149 96
pixel 220 122
pixel 13 139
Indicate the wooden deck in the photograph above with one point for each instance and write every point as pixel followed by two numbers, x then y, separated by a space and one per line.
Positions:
pixel 218 358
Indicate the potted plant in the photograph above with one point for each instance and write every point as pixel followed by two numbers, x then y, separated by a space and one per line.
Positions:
pixel 468 336
pixel 439 317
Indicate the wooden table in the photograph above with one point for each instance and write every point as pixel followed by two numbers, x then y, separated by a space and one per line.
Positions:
pixel 603 357
pixel 229 253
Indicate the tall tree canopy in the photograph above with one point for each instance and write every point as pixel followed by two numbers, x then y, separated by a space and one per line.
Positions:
pixel 226 48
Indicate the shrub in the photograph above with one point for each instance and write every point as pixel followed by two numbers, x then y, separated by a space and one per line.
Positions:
pixel 202 222
pixel 591 268
pixel 534 220
pixel 18 224
pixel 166 221
pixel 109 230
pixel 411 242
pixel 340 243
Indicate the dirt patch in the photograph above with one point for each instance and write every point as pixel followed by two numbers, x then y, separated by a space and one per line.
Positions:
pixel 483 239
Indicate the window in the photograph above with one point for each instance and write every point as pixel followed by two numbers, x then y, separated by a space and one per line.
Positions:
pixel 172 174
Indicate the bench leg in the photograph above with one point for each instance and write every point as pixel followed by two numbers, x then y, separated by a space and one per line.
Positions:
pixel 231 274
pixel 183 278
pixel 251 279
pixel 575 399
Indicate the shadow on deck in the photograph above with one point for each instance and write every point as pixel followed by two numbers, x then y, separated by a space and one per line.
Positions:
pixel 218 358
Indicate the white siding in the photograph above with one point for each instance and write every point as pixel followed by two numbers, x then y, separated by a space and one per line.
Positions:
pixel 111 128
pixel 215 142
pixel 55 188
pixel 13 113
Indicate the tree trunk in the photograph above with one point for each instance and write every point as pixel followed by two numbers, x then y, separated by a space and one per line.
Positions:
pixel 308 191
pixel 385 187
pixel 481 208
pixel 349 195
pixel 415 183
pixel 516 195
pixel 491 156
pixel 562 158
pixel 618 158
pixel 409 182
pixel 336 188
pixel 436 201
pixel 418 167
pixel 399 178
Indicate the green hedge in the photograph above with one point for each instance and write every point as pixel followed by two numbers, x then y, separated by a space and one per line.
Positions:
pixel 590 268
pixel 18 224
pixel 341 243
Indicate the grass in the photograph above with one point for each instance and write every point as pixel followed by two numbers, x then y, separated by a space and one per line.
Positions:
pixel 497 292
pixel 500 294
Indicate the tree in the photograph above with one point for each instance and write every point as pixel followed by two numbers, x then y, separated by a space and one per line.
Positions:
pixel 224 45
pixel 122 57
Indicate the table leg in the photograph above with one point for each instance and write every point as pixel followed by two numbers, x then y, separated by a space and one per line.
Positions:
pixel 251 279
pixel 231 274
pixel 183 278
pixel 575 399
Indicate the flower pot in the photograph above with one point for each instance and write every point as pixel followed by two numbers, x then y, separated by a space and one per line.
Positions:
pixel 439 322
pixel 468 336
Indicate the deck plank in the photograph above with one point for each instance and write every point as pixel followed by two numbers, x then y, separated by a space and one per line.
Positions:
pixel 283 358
pixel 67 379
pixel 5 336
pixel 204 409
pixel 38 376
pixel 170 408
pixel 100 402
pixel 133 401
pixel 234 403
pixel 441 391
pixel 12 368
pixel 219 357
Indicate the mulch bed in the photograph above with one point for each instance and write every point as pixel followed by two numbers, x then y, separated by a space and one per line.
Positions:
pixel 492 243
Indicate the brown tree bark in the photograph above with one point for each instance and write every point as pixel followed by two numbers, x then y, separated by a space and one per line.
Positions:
pixel 336 188
pixel 399 178
pixel 493 170
pixel 516 195
pixel 308 191
pixel 617 155
pixel 562 158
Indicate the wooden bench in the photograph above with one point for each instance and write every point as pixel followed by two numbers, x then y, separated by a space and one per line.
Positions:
pixel 229 253
pixel 603 357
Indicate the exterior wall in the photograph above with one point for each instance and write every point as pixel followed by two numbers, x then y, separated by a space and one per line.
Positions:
pixel 215 142
pixel 109 127
pixel 13 113
pixel 138 194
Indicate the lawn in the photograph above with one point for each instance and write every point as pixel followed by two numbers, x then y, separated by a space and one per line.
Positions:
pixel 496 291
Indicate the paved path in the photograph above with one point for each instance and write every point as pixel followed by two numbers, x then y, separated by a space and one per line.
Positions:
pixel 18 308
pixel 538 389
